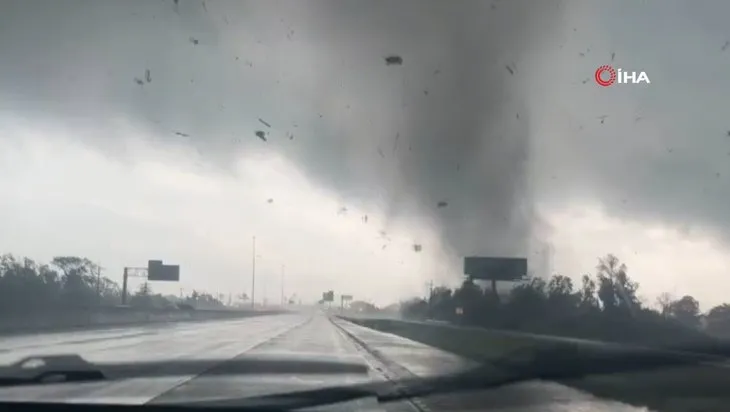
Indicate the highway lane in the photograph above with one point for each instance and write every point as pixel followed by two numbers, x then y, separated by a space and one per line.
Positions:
pixel 295 336
pixel 215 340
pixel 315 339
pixel 301 336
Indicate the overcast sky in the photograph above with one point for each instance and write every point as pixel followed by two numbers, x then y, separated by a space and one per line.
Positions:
pixel 127 133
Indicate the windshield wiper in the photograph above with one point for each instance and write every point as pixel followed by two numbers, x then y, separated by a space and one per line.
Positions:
pixel 49 369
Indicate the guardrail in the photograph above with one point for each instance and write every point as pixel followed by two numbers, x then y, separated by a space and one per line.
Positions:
pixel 489 344
pixel 61 319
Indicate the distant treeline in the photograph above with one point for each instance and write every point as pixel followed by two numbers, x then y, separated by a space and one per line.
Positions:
pixel 603 306
pixel 74 282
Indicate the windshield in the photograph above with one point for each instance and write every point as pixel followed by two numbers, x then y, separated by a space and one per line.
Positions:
pixel 415 186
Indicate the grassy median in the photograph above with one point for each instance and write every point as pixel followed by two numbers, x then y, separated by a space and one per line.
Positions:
pixel 685 388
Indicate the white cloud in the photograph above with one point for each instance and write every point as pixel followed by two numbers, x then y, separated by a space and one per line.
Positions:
pixel 62 197
pixel 659 257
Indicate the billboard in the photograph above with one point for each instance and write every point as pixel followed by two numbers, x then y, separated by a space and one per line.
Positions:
pixel 328 296
pixel 156 270
pixel 490 268
pixel 346 297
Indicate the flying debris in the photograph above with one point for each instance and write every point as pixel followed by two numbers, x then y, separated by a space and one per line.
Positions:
pixel 182 134
pixel 194 41
pixel 510 70
pixel 139 81
pixel 148 76
pixel 261 134
pixel 417 248
pixel 393 60
pixel 342 211
pixel 395 142
pixel 365 219
pixel 384 236
pixel 442 204
pixel 264 122
pixel 270 200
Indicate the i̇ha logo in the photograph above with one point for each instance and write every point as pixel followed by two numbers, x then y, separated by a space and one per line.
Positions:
pixel 607 76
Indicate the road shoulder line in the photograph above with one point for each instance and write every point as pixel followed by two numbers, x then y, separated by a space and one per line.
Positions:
pixel 390 370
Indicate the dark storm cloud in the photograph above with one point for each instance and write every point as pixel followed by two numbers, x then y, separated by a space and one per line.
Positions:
pixel 449 124
pixel 456 134
pixel 657 153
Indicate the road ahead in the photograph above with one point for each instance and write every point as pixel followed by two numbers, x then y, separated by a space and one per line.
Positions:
pixel 302 336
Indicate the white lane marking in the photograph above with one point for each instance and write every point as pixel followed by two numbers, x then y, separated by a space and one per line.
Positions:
pixel 129 343
pixel 379 371
pixel 146 389
pixel 562 397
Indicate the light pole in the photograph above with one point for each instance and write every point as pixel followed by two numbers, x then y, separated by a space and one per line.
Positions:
pixel 430 295
pixel 98 284
pixel 253 275
pixel 282 285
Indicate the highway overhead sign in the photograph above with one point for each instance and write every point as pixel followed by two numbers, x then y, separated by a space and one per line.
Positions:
pixel 156 270
pixel 495 268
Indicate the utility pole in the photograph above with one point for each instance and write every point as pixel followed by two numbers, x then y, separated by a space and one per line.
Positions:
pixel 125 279
pixel 253 274
pixel 282 285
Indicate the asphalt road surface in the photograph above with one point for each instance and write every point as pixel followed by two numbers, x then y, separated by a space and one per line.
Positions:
pixel 292 336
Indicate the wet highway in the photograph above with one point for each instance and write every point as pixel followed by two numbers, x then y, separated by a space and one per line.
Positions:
pixel 217 344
